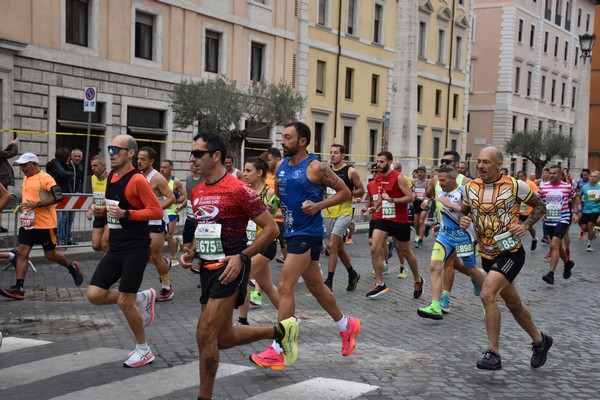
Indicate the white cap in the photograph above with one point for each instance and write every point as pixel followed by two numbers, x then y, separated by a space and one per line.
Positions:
pixel 27 158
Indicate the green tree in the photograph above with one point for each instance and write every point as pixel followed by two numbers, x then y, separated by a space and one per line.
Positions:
pixel 540 147
pixel 220 104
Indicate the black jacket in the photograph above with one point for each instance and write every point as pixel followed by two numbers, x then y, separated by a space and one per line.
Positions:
pixel 61 174
pixel 7 174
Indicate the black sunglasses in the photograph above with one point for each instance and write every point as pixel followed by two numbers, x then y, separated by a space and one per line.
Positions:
pixel 445 161
pixel 115 149
pixel 200 153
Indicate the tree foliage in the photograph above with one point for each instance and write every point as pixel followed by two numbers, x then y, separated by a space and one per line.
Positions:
pixel 220 105
pixel 540 147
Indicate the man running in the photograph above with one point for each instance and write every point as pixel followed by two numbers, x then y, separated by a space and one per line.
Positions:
pixel 419 187
pixel 273 158
pixel 231 170
pixel 492 201
pixel 192 180
pixel 158 228
pixel 222 207
pixel 301 181
pixel 38 223
pixel 339 216
pixel 556 194
pixel 100 225
pixel 590 196
pixel 525 210
pixel 166 170
pixel 130 204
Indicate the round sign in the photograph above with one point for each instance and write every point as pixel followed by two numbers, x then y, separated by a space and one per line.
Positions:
pixel 90 93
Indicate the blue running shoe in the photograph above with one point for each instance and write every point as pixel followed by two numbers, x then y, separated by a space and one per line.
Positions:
pixel 476 289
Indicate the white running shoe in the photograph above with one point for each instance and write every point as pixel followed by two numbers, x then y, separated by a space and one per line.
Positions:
pixel 147 306
pixel 139 358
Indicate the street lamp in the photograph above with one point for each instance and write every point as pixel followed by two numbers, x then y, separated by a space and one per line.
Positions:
pixel 586 42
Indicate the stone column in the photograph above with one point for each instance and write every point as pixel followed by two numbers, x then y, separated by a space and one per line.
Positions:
pixel 582 117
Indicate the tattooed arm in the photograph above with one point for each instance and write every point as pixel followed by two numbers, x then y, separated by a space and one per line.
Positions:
pixel 320 172
pixel 539 209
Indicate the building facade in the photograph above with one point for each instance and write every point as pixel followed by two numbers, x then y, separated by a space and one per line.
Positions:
pixel 594 104
pixel 525 70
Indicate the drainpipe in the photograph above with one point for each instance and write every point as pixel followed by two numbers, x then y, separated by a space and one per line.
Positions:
pixel 450 76
pixel 337 72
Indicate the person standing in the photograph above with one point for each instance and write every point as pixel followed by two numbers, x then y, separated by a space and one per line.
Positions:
pixel 76 166
pixel 222 207
pixel 339 216
pixel 63 175
pixel 100 225
pixel 166 170
pixel 38 223
pixel 300 183
pixel 130 204
pixel 7 174
pixel 491 203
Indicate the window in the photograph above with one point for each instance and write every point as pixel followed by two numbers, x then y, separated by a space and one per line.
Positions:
pixel 419 141
pixel 566 51
pixel 576 55
pixel 436 151
pixel 374 89
pixel 553 91
pixel 558 13
pixel 573 97
pixel 520 34
pixel 144 26
pixel 349 83
pixel 568 15
pixel 517 79
pixel 529 78
pixel 419 98
pixel 556 39
pixel 546 35
pixel 453 144
pixel 438 102
pixel 373 134
pixel 548 10
pixel 422 40
pixel 540 125
pixel 378 24
pixel 543 88
pixel 459 53
pixel 352 14
pixel 348 140
pixel 579 18
pixel 563 93
pixel 455 100
pixel 587 23
pixel 323 8
pixel 211 51
pixel 318 139
pixel 515 119
pixel 148 123
pixel 320 77
pixel 76 19
pixel 257 51
pixel 525 124
pixel 532 36
pixel 441 46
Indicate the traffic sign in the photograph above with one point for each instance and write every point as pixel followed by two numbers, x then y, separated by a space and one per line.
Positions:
pixel 89 99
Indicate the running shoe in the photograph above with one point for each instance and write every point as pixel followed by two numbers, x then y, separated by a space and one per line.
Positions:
pixel 165 294
pixel 329 284
pixel 349 241
pixel 490 361
pixel 581 235
pixel 540 350
pixel 568 267
pixel 377 290
pixel 418 288
pixel 173 263
pixel 545 240
pixel 269 359
pixel 13 292
pixel 476 289
pixel 352 282
pixel 255 298
pixel 238 322
pixel 195 268
pixel 445 301
pixel 13 262
pixel 75 271
pixel 348 336
pixel 287 337
pixel 549 278
pixel 419 244
pixel 589 248
pixel 147 306
pixel 139 358
pixel 549 255
pixel 416 239
pixel 402 272
pixel 386 270
pixel 252 282
pixel 430 312
pixel 534 244
pixel 427 229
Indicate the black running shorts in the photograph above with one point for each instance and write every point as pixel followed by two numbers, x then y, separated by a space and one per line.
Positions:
pixel 128 267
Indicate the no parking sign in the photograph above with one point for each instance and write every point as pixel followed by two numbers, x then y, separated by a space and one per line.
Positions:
pixel 89 99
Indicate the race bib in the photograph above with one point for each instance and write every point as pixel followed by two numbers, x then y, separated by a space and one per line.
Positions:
pixel 522 207
pixel 464 250
pixel 208 242
pixel 251 232
pixel 329 192
pixel 506 241
pixel 553 211
pixel 420 193
pixel 99 198
pixel 189 212
pixel 113 223
pixel 388 210
pixel 27 219
pixel 591 194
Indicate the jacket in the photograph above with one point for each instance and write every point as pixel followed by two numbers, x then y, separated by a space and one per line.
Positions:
pixel 7 174
pixel 61 174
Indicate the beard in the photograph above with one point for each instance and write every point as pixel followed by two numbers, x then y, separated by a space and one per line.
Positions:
pixel 290 151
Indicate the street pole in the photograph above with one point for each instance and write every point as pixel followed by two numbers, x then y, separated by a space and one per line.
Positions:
pixel 86 155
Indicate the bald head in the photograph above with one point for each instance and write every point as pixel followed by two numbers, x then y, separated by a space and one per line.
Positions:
pixel 489 163
pixel 126 141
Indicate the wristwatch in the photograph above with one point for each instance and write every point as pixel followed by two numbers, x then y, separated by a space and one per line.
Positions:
pixel 245 259
pixel 127 214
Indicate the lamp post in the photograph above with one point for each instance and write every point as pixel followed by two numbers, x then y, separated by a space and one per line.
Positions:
pixel 582 111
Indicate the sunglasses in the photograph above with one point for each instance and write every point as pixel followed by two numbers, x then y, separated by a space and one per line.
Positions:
pixel 445 161
pixel 115 149
pixel 200 153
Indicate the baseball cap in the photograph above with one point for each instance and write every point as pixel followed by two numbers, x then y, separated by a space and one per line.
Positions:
pixel 27 158
pixel 421 168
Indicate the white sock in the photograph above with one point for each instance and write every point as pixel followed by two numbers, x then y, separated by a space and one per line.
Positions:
pixel 139 298
pixel 11 255
pixel 143 346
pixel 342 324
pixel 277 347
pixel 589 242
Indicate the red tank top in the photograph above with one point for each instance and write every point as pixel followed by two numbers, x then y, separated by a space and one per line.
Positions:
pixel 389 184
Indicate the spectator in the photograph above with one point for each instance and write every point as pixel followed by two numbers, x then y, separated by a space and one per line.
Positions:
pixel 76 165
pixel 7 174
pixel 58 168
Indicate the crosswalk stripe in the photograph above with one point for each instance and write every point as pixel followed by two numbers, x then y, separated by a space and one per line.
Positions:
pixel 159 383
pixel 47 368
pixel 318 388
pixel 15 343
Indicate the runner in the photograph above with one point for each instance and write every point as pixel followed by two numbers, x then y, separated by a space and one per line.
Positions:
pixel 158 227
pixel 38 223
pixel 394 196
pixel 419 186
pixel 231 169
pixel 193 180
pixel 452 241
pixel 591 207
pixel 274 157
pixel 301 182
pixel 339 216
pixel 492 201
pixel 166 170
pixel 557 193
pixel 223 205
pixel 100 225
pixel 525 210
pixel 130 204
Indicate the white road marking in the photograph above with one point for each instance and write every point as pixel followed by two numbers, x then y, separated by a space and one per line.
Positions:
pixel 14 343
pixel 318 388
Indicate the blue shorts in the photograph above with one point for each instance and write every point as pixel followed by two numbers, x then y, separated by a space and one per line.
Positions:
pixel 301 244
pixel 445 245
pixel 173 217
pixel 162 228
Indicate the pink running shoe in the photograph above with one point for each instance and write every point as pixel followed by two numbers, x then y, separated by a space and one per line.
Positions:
pixel 269 359
pixel 348 336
